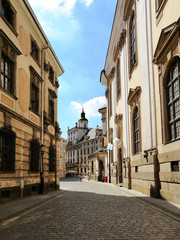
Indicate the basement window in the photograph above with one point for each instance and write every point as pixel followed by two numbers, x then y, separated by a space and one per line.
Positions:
pixel 175 166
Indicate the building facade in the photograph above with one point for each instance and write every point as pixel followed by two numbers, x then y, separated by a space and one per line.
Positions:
pixel 82 143
pixel 29 131
pixel 62 161
pixel 141 75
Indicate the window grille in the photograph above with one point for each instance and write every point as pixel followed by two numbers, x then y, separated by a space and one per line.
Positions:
pixel 52 158
pixel 173 100
pixel 7 150
pixel 35 155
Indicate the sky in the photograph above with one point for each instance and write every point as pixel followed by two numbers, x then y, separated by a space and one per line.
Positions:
pixel 79 32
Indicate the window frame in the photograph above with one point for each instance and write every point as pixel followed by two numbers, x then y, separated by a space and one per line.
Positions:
pixel 7 150
pixel 11 13
pixel 35 80
pixel 132 42
pixel 35 51
pixel 34 156
pixel 52 158
pixel 136 131
pixel 172 119
pixel 118 80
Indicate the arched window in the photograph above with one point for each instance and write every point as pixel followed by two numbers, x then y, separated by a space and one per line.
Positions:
pixel 132 33
pixel 7 150
pixel 173 100
pixel 136 131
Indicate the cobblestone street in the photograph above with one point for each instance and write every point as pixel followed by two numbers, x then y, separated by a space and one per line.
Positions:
pixel 91 210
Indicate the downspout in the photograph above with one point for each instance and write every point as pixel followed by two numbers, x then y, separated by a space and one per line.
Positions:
pixel 42 93
pixel 42 121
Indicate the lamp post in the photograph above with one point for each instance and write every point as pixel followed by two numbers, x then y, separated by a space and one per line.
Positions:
pixel 41 170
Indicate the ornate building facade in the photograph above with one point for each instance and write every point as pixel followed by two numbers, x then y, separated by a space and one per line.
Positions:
pixel 29 131
pixel 82 143
pixel 141 75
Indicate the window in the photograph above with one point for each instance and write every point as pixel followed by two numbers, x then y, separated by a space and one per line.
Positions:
pixel 35 78
pixel 7 150
pixel 158 4
pixel 175 166
pixel 34 50
pixel 92 167
pixel 110 100
pixel 51 75
pixel 7 80
pixel 7 12
pixel 136 131
pixel 51 111
pixel 52 158
pixel 136 168
pixel 35 155
pixel 173 100
pixel 118 79
pixel 132 41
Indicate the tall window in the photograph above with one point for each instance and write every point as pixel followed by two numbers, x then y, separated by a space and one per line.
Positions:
pixel 7 74
pixel 132 41
pixel 7 12
pixel 51 75
pixel 35 50
pixel 51 110
pixel 136 131
pixel 34 91
pixel 110 100
pixel 173 100
pixel 118 79
pixel 7 150
pixel 52 158
pixel 34 155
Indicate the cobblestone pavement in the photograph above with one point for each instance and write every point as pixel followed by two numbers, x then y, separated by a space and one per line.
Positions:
pixel 90 210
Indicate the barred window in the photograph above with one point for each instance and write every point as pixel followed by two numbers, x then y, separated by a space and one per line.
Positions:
pixel 132 41
pixel 173 100
pixel 7 150
pixel 136 131
pixel 35 155
pixel 52 158
pixel 118 79
pixel 7 72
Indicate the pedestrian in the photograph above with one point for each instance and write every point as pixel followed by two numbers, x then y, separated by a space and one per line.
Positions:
pixel 80 178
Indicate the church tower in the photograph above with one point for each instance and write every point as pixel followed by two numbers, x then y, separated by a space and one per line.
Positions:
pixel 83 122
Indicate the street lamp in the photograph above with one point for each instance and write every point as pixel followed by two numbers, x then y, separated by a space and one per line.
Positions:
pixel 41 170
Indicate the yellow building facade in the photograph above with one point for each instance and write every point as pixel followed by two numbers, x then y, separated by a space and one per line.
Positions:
pixel 141 75
pixel 29 131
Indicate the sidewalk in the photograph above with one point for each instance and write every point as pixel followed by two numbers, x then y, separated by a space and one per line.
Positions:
pixel 13 208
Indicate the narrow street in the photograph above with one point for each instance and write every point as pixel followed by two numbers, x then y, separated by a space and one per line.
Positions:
pixel 92 210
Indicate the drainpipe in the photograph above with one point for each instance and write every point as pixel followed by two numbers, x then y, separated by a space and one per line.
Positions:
pixel 42 121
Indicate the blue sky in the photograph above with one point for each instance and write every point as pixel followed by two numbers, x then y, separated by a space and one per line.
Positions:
pixel 79 32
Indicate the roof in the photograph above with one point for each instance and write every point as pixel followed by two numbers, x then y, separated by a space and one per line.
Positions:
pixel 91 134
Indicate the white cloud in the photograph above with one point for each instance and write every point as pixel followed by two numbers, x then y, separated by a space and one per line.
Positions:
pixel 57 6
pixel 87 2
pixel 90 107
